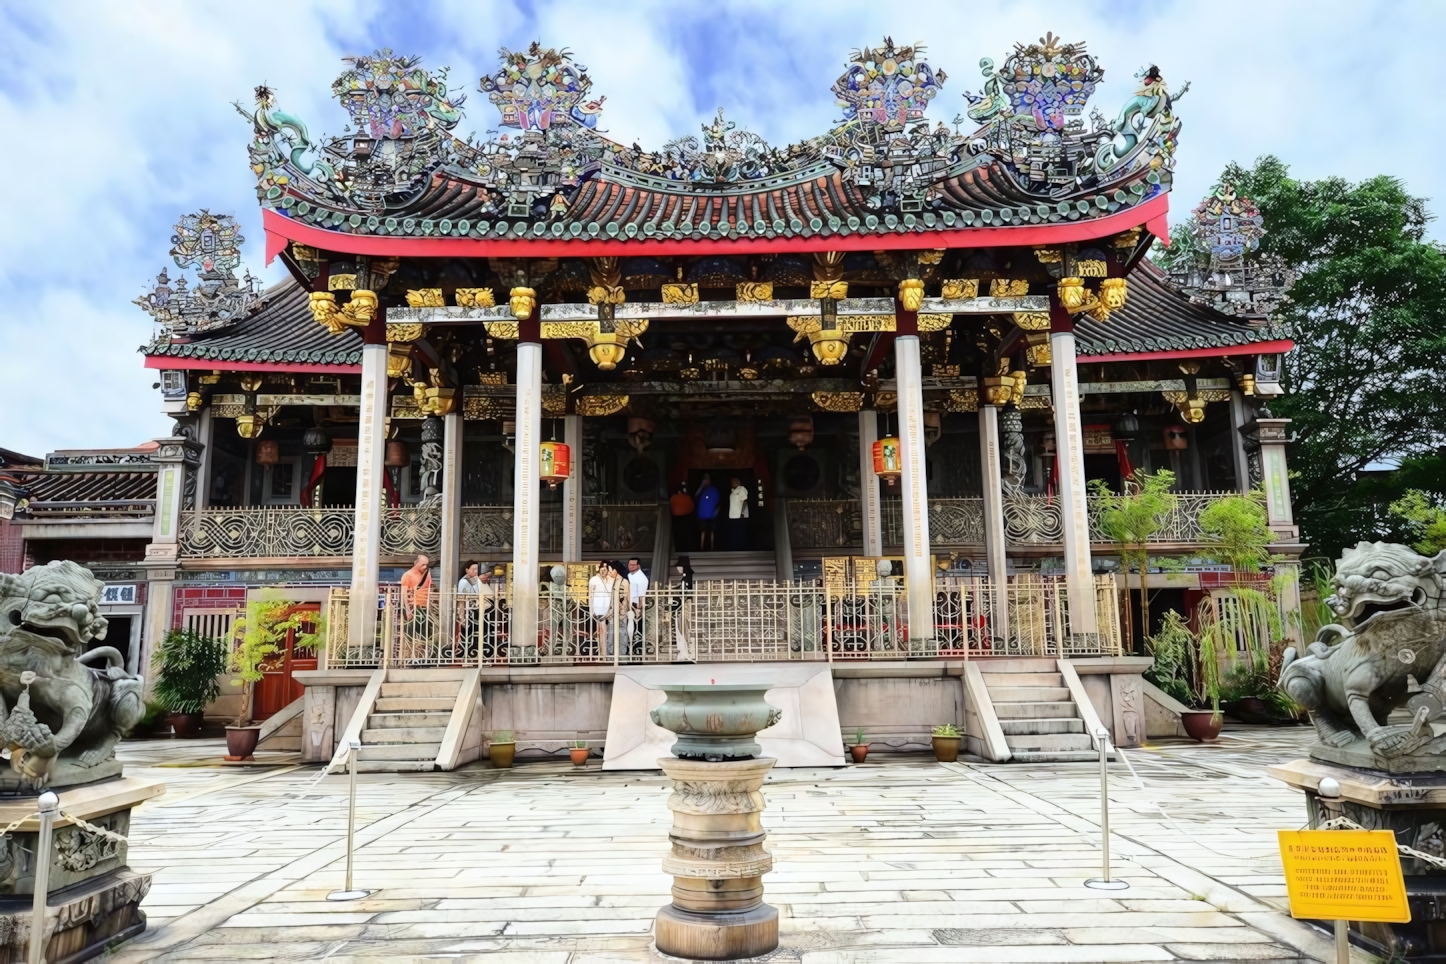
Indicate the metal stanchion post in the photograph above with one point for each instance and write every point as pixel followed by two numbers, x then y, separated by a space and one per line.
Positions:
pixel 349 893
pixel 1105 882
pixel 1328 806
pixel 49 806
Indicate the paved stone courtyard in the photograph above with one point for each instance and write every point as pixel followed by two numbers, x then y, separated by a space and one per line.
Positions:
pixel 900 860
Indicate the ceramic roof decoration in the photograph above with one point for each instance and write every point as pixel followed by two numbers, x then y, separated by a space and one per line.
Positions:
pixel 210 244
pixel 1226 273
pixel 551 177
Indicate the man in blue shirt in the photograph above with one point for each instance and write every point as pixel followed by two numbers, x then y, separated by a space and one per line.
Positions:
pixel 708 499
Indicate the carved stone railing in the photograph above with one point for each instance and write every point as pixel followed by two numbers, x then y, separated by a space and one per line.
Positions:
pixel 825 524
pixel 408 531
pixel 1033 520
pixel 1182 525
pixel 487 529
pixel 266 532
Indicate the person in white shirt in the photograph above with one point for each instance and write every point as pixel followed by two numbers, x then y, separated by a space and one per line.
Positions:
pixel 737 515
pixel 637 589
pixel 600 600
pixel 468 585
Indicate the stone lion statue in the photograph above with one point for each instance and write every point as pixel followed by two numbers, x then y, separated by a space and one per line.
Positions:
pixel 1385 652
pixel 62 708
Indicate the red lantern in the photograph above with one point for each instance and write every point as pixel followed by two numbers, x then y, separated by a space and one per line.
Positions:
pixel 398 455
pixel 268 452
pixel 556 461
pixel 888 461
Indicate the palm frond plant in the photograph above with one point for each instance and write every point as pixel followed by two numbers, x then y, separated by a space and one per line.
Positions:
pixel 1132 518
pixel 1173 647
pixel 187 666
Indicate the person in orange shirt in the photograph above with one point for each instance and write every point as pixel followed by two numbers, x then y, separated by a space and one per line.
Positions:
pixel 416 589
pixel 681 505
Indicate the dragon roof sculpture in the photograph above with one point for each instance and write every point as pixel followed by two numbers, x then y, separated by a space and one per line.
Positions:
pixel 549 172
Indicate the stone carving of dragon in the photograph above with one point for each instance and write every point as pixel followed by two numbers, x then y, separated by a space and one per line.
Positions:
pixel 62 709
pixel 1392 630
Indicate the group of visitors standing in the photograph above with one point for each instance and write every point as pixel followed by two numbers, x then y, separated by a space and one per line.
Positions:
pixel 696 521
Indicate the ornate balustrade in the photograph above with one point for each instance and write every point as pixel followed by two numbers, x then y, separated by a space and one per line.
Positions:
pixel 264 532
pixel 619 527
pixel 725 621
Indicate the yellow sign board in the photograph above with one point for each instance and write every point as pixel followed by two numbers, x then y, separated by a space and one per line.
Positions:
pixel 1344 875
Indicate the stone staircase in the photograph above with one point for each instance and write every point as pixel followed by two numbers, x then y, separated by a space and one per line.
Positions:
pixel 708 566
pixel 1033 705
pixel 405 728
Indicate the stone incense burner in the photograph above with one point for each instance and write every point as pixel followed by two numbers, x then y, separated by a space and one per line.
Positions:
pixel 718 860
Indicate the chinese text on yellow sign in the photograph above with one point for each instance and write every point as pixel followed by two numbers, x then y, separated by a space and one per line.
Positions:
pixel 1344 875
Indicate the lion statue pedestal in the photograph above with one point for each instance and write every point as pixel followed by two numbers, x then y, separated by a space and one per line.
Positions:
pixel 64 705
pixel 1375 686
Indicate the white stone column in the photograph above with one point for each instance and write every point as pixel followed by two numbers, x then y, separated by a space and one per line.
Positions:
pixel 1074 510
pixel 572 491
pixel 526 509
pixel 173 455
pixel 992 486
pixel 1274 477
pixel 451 563
pixel 918 561
pixel 869 484
pixel 1238 421
pixel 367 530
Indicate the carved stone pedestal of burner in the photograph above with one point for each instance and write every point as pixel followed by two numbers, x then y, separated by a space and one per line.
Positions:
pixel 1413 807
pixel 93 899
pixel 718 860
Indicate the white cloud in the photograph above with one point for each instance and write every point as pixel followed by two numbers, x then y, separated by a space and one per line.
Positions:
pixel 119 119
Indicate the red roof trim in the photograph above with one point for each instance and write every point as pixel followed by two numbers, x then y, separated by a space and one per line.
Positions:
pixel 204 364
pixel 1257 348
pixel 281 229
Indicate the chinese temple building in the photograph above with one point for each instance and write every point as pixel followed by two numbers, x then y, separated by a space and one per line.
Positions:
pixel 900 351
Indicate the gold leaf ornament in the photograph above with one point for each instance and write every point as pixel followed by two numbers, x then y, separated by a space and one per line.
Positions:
pixel 911 293
pixel 523 302
pixel 837 290
pixel 1071 293
pixel 425 298
pixel 475 298
pixel 680 294
pixel 956 289
pixel 1113 292
pixel 752 292
pixel 606 295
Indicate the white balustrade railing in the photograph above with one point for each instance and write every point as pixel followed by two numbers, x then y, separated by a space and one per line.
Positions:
pixel 723 621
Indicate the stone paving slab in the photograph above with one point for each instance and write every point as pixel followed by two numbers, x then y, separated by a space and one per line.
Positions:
pixel 902 859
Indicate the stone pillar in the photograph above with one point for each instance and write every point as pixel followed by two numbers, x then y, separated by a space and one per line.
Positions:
pixel 526 508
pixel 918 562
pixel 451 563
pixel 869 484
pixel 174 455
pixel 992 485
pixel 370 446
pixel 1272 435
pixel 1074 510
pixel 1238 419
pixel 572 491
pixel 717 859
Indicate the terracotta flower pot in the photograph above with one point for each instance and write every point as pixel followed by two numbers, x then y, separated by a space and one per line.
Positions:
pixel 579 755
pixel 859 751
pixel 946 748
pixel 241 741
pixel 1202 725
pixel 501 754
pixel 187 725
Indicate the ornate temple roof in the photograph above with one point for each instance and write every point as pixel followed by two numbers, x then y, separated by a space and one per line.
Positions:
pixel 281 335
pixel 1020 165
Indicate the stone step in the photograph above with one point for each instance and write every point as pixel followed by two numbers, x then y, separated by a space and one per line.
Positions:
pixel 1023 679
pixel 398 704
pixel 400 751
pixel 1017 664
pixel 395 766
pixel 1058 725
pixel 439 689
pixel 403 734
pixel 1035 756
pixel 430 674
pixel 414 718
pixel 1033 711
pixel 282 742
pixel 1029 694
pixel 1049 741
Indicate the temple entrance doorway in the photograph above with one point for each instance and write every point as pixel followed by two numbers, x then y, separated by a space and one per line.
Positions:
pixel 751 534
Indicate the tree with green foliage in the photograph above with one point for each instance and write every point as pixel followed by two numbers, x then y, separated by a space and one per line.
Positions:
pixel 260 634
pixel 1427 521
pixel 1366 383
pixel 1130 519
pixel 1236 526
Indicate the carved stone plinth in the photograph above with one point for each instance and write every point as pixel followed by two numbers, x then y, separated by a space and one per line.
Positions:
pixel 1413 806
pixel 717 862
pixel 81 920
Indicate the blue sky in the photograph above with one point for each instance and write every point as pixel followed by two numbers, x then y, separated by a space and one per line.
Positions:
pixel 119 119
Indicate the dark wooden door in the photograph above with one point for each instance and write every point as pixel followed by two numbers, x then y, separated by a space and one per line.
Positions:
pixel 277 687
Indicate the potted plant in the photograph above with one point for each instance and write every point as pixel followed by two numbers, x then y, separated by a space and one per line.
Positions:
pixel 187 665
pixel 501 749
pixel 579 752
pixel 1173 647
pixel 153 723
pixel 860 749
pixel 1132 519
pixel 946 742
pixel 260 634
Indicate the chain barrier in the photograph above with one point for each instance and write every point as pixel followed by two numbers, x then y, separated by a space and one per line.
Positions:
pixel 85 825
pixel 6 832
pixel 1346 823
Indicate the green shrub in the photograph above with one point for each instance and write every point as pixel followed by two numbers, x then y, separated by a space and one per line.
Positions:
pixel 946 729
pixel 187 666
